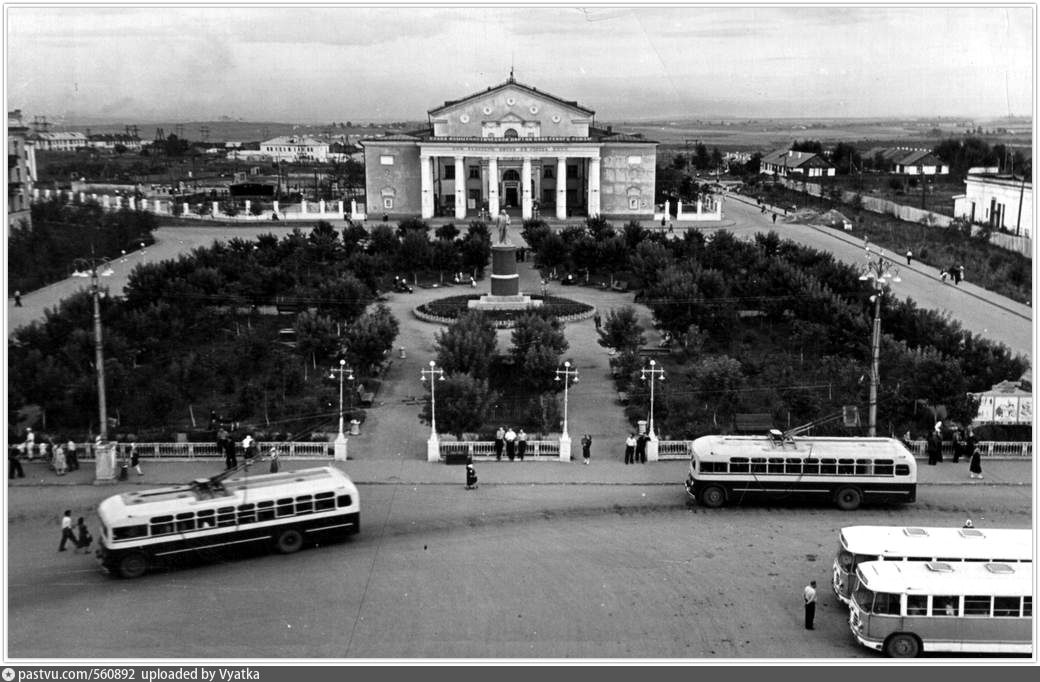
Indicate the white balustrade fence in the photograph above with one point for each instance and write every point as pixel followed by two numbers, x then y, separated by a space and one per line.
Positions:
pixel 484 450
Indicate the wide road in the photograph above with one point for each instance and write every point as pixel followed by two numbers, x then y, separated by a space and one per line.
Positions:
pixel 505 571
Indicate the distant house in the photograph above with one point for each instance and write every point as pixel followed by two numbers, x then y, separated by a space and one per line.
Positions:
pixel 1002 201
pixel 907 161
pixel 21 171
pixel 784 162
pixel 59 142
pixel 295 148
pixel 110 141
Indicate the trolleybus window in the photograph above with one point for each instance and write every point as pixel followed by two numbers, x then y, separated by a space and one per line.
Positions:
pixel 1006 607
pixel 265 510
pixel 185 521
pixel 160 525
pixel 916 605
pixel 323 501
pixel 285 507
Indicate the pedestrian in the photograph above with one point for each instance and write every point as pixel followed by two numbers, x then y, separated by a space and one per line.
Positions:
pixel 934 448
pixel 66 530
pixel 247 447
pixel 135 460
pixel 17 299
pixel 641 440
pixel 586 447
pixel 943 275
pixel 968 524
pixel 471 475
pixel 960 273
pixel 14 463
pixel 521 445
pixel 596 318
pixel 955 272
pixel 974 455
pixel 809 595
pixel 58 458
pixel 958 446
pixel 273 456
pixel 230 459
pixel 511 444
pixel 500 442
pixel 84 538
pixel 71 458
pixel 909 256
pixel 774 219
pixel 472 282
pixel 630 448
pixel 29 447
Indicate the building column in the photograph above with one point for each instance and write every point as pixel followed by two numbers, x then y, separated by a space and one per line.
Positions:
pixel 526 205
pixel 594 187
pixel 426 173
pixel 561 188
pixel 493 187
pixel 460 188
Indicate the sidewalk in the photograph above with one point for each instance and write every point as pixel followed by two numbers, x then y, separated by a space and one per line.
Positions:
pixel 604 470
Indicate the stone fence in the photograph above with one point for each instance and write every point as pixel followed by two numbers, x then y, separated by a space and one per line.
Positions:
pixel 484 450
pixel 707 210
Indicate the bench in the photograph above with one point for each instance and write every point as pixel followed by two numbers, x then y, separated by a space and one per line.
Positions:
pixel 650 351
pixel 620 286
pixel 365 398
pixel 622 397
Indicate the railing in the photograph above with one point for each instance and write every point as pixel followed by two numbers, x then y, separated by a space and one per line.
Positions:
pixel 181 451
pixel 674 449
pixel 485 449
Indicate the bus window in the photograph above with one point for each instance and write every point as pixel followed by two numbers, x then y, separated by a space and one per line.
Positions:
pixel 794 465
pixel 185 521
pixel 285 507
pixel 917 605
pixel 323 501
pixel 1004 607
pixel 304 504
pixel 886 603
pixel 129 532
pixel 828 466
pixel 776 465
pixel 945 606
pixel 811 466
pixel 902 470
pixel 758 465
pixel 862 467
pixel 712 467
pixel 883 467
pixel 246 513
pixel 845 560
pixel 976 605
pixel 226 516
pixel 343 500
pixel 1027 607
pixel 206 518
pixel 265 510
pixel 161 525
pixel 845 467
pixel 739 465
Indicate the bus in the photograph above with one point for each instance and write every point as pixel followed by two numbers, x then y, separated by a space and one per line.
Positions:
pixel 859 544
pixel 904 608
pixel 282 511
pixel 846 471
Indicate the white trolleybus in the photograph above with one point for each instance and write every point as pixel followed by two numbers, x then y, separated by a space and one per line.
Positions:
pixel 904 608
pixel 860 544
pixel 846 471
pixel 282 511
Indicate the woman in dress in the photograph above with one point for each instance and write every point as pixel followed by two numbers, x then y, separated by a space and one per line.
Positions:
pixel 974 455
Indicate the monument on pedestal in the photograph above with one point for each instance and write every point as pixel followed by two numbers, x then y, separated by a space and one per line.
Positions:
pixel 505 281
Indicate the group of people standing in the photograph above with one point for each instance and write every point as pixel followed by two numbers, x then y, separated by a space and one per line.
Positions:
pixel 512 443
pixel 635 448
pixel 965 446
pixel 60 457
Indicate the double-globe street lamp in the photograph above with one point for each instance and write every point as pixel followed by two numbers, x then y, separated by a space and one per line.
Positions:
pixel 653 374
pixel 880 273
pixel 568 376
pixel 105 457
pixel 339 446
pixel 433 450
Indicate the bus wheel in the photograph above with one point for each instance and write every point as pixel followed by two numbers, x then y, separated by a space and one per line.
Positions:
pixel 133 565
pixel 288 541
pixel 713 496
pixel 902 646
pixel 848 499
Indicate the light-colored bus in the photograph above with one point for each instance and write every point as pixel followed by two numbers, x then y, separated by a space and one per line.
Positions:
pixel 904 608
pixel 859 544
pixel 846 471
pixel 282 511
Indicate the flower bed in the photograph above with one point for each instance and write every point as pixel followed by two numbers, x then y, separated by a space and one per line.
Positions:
pixel 445 310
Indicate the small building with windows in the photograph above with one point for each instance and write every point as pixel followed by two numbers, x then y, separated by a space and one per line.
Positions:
pixel 1001 201
pixel 510 147
pixel 785 162
pixel 295 148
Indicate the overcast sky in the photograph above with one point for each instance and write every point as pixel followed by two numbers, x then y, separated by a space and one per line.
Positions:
pixel 390 63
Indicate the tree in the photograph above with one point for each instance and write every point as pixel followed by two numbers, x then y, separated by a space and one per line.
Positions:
pixel 811 146
pixel 845 158
pixel 368 339
pixel 447 232
pixel 467 345
pixel 716 159
pixel 538 343
pixel 463 403
pixel 476 251
pixel 621 330
pixel 412 225
pixel 343 297
pixel 414 253
pixel 702 160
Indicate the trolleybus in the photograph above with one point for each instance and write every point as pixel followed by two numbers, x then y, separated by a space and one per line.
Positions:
pixel 846 471
pixel 859 544
pixel 904 608
pixel 282 511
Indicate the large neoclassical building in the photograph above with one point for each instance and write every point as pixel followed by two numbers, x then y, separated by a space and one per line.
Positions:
pixel 510 147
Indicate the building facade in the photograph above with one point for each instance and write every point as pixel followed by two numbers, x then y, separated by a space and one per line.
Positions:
pixel 59 142
pixel 21 171
pixel 1004 202
pixel 907 161
pixel 514 148
pixel 785 162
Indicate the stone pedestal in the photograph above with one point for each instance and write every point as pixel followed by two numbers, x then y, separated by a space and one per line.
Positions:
pixel 505 282
pixel 565 448
pixel 339 448
pixel 433 449
pixel 105 463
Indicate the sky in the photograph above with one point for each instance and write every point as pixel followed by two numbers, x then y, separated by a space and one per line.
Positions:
pixel 322 64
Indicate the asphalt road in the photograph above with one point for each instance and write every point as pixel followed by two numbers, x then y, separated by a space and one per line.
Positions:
pixel 505 571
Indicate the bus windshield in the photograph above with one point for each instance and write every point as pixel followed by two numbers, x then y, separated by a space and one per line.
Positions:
pixel 886 603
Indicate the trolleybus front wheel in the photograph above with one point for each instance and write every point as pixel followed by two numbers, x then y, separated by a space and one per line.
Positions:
pixel 133 565
pixel 713 496
pixel 288 541
pixel 902 646
pixel 848 499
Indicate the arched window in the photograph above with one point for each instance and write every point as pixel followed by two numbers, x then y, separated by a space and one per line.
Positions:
pixel 511 133
pixel 511 175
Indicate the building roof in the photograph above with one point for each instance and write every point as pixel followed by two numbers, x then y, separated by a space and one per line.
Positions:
pixel 513 82
pixel 301 140
pixel 905 156
pixel 61 136
pixel 792 159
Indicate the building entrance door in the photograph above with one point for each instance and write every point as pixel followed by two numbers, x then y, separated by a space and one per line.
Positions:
pixel 512 194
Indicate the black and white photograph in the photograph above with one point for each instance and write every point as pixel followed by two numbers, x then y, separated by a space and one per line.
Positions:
pixel 524 334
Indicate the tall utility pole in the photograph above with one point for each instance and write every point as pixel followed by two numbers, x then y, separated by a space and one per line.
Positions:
pixel 880 273
pixel 568 376
pixel 339 447
pixel 652 374
pixel 433 450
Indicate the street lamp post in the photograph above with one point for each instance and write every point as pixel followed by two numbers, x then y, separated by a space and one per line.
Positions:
pixel 652 374
pixel 339 446
pixel 568 376
pixel 433 450
pixel 880 273
pixel 105 457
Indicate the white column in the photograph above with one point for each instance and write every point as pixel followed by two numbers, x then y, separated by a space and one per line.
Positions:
pixel 82 198
pixel 678 211
pixel 132 202
pixel 561 188
pixel 493 187
pixel 460 188
pixel 249 205
pixel 105 201
pixel 321 206
pixel 93 197
pixel 340 205
pixel 303 207
pixel 36 193
pixel 216 208
pixel 426 173
pixel 276 208
pixel 700 206
pixel 594 186
pixel 353 208
pixel 526 204
pixel 184 208
pixel 46 194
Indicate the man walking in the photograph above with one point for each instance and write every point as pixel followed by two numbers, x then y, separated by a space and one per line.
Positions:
pixel 66 531
pixel 521 445
pixel 511 444
pixel 809 595
pixel 500 442
pixel 641 440
pixel 586 447
pixel 630 448
pixel 909 256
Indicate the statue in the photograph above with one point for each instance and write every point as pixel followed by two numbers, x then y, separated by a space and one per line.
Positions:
pixel 503 227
